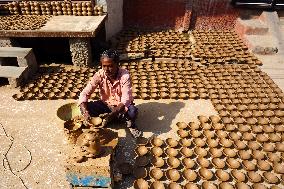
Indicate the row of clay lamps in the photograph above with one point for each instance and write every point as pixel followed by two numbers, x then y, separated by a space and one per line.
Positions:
pixel 54 83
pixel 21 22
pixel 187 160
pixel 55 8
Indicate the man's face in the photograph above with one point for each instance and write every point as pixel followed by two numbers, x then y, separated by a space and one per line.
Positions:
pixel 109 66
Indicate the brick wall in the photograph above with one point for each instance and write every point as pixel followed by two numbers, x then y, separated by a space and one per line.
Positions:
pixel 155 13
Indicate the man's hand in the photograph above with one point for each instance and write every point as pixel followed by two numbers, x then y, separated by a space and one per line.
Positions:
pixel 107 117
pixel 85 113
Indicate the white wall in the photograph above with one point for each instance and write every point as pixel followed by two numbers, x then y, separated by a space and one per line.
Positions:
pixel 114 21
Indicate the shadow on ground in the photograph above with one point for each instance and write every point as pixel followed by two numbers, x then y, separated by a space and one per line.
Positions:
pixel 157 117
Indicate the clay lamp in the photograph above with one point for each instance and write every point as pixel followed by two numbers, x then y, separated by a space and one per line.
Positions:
pixel 275 120
pixel 268 129
pixel 189 175
pixel 206 174
pixel 218 163
pixel 226 142
pixel 182 133
pixel 158 161
pixel 141 150
pixel 271 177
pixel 254 177
pixel 280 147
pixel 181 125
pixel 238 175
pixel 142 161
pixel 250 166
pixel 263 165
pixel 278 167
pixel 257 154
pixel 279 113
pixel 188 163
pixel 279 128
pixel 156 174
pixel 140 172
pixel 186 152
pixel 172 142
pixel 171 152
pixel 157 185
pixel 254 145
pixel 273 137
pixel 230 127
pixel 218 126
pixel 157 142
pixel 157 151
pixel 141 184
pixel 233 163
pixel 173 162
pixel 202 119
pixel 185 142
pixel 173 175
pixel 251 121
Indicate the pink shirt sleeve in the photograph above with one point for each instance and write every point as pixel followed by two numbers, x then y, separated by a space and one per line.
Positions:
pixel 89 89
pixel 126 91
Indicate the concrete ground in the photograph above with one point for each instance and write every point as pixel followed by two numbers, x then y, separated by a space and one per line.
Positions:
pixel 40 148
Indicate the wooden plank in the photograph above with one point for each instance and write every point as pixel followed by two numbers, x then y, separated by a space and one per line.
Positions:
pixel 14 51
pixel 11 71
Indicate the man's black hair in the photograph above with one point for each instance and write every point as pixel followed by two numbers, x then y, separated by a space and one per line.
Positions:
pixel 112 54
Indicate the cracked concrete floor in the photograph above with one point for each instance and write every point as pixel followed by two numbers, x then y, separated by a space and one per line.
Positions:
pixel 39 142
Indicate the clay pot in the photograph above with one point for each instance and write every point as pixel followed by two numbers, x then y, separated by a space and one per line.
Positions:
pixel 235 136
pixel 203 162
pixel 156 173
pixel 226 142
pixel 142 161
pixel 157 151
pixel 181 125
pixel 172 142
pixel 240 145
pixel 190 186
pixel 229 152
pixel 188 163
pixel 206 174
pixel 195 133
pixel 157 185
pixel 263 165
pixel 171 152
pixel 244 154
pixel 186 152
pixel 241 185
pixel 249 165
pixel 141 184
pixel 158 162
pixel 199 142
pixel 215 152
pixel 173 175
pixel 222 175
pixel 202 119
pixel 193 126
pixel 96 121
pixel 218 163
pixel 268 147
pixel 233 163
pixel 226 185
pixel 173 162
pixel 190 175
pixel 201 152
pixel 141 150
pixel 214 119
pixel 182 133
pixel 208 185
pixel 185 142
pixel 238 175
pixel 270 177
pixel 157 141
pixel 280 147
pixel 279 168
pixel 174 185
pixel 253 145
pixel 254 177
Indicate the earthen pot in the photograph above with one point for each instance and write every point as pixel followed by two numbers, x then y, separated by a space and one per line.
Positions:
pixel 235 136
pixel 140 172
pixel 240 145
pixel 141 150
pixel 280 147
pixel 141 184
pixel 271 177
pixel 190 186
pixel 190 175
pixel 254 145
pixel 199 142
pixel 279 168
pixel 214 119
pixel 172 142
pixel 238 175
pixel 174 185
pixel 185 142
pixel 254 177
pixel 201 152
pixel 157 151
pixel 250 166
pixel 233 163
pixel 156 173
pixel 182 125
pixel 263 165
pixel 241 185
pixel 193 126
pixel 173 162
pixel 173 175
pixel 142 161
pixel 157 185
pixel 209 134
pixel 268 147
pixel 182 133
pixel 171 152
pixel 158 161
pixel 208 185
pixel 222 175
pixel 203 162
pixel 215 152
pixel 206 174
pixel 188 163
pixel 218 163
pixel 244 154
pixel 229 152
pixel 195 133
pixel 186 152
pixel 157 141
